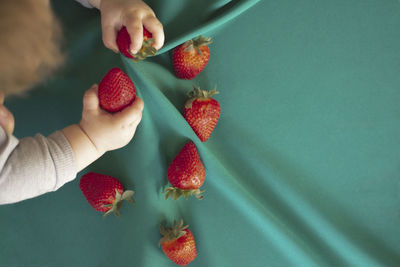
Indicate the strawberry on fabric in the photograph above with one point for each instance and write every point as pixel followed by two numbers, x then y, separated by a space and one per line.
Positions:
pixel 186 174
pixel 116 91
pixel 178 243
pixel 191 57
pixel 104 193
pixel 202 112
pixel 124 43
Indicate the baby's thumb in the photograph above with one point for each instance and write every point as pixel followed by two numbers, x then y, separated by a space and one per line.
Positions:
pixel 91 99
pixel 6 119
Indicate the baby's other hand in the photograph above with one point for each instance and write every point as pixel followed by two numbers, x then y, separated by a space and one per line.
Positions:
pixel 134 15
pixel 6 117
pixel 109 131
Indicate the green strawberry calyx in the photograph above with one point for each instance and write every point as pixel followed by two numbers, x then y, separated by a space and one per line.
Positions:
pixel 176 193
pixel 172 233
pixel 115 207
pixel 146 50
pixel 197 93
pixel 196 43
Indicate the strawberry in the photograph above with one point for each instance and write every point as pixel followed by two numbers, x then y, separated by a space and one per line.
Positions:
pixel 186 174
pixel 104 193
pixel 116 91
pixel 202 112
pixel 124 42
pixel 178 243
pixel 190 58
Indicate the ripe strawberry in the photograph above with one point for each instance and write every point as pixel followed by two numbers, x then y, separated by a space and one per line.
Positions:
pixel 202 112
pixel 124 42
pixel 116 91
pixel 190 58
pixel 186 174
pixel 104 193
pixel 178 243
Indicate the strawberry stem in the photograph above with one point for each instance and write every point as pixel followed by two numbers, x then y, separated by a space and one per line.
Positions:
pixel 197 93
pixel 146 51
pixel 201 41
pixel 196 43
pixel 117 204
pixel 174 232
pixel 176 193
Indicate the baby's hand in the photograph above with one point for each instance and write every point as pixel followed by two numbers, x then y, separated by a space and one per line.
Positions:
pixel 6 117
pixel 109 131
pixel 134 15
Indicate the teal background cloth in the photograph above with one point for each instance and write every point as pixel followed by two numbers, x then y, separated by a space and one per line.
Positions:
pixel 302 169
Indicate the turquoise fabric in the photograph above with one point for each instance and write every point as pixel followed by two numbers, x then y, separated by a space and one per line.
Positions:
pixel 302 168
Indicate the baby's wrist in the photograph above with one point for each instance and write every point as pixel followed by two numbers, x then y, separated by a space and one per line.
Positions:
pixel 84 150
pixel 100 150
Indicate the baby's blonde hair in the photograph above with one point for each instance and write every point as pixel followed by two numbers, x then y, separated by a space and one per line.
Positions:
pixel 30 38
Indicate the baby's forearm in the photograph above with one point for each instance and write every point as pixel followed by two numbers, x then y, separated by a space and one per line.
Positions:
pixel 33 166
pixel 85 151
pixel 36 165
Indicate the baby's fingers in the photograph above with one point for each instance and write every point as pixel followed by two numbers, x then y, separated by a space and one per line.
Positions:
pixel 135 29
pixel 131 114
pixel 109 35
pixel 153 25
pixel 91 100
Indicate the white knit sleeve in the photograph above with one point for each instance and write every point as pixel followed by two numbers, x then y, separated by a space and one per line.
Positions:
pixel 33 166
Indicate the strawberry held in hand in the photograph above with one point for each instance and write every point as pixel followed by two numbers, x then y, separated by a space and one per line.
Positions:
pixel 116 91
pixel 124 43
pixel 104 193
pixel 191 57
pixel 178 243
pixel 186 174
pixel 202 112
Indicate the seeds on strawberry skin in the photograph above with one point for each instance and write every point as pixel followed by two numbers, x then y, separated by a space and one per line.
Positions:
pixel 104 193
pixel 178 243
pixel 202 112
pixel 116 91
pixel 124 43
pixel 191 57
pixel 186 174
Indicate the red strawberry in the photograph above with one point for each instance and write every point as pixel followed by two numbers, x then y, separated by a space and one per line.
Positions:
pixel 202 112
pixel 116 91
pixel 190 58
pixel 186 174
pixel 104 193
pixel 124 42
pixel 178 243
